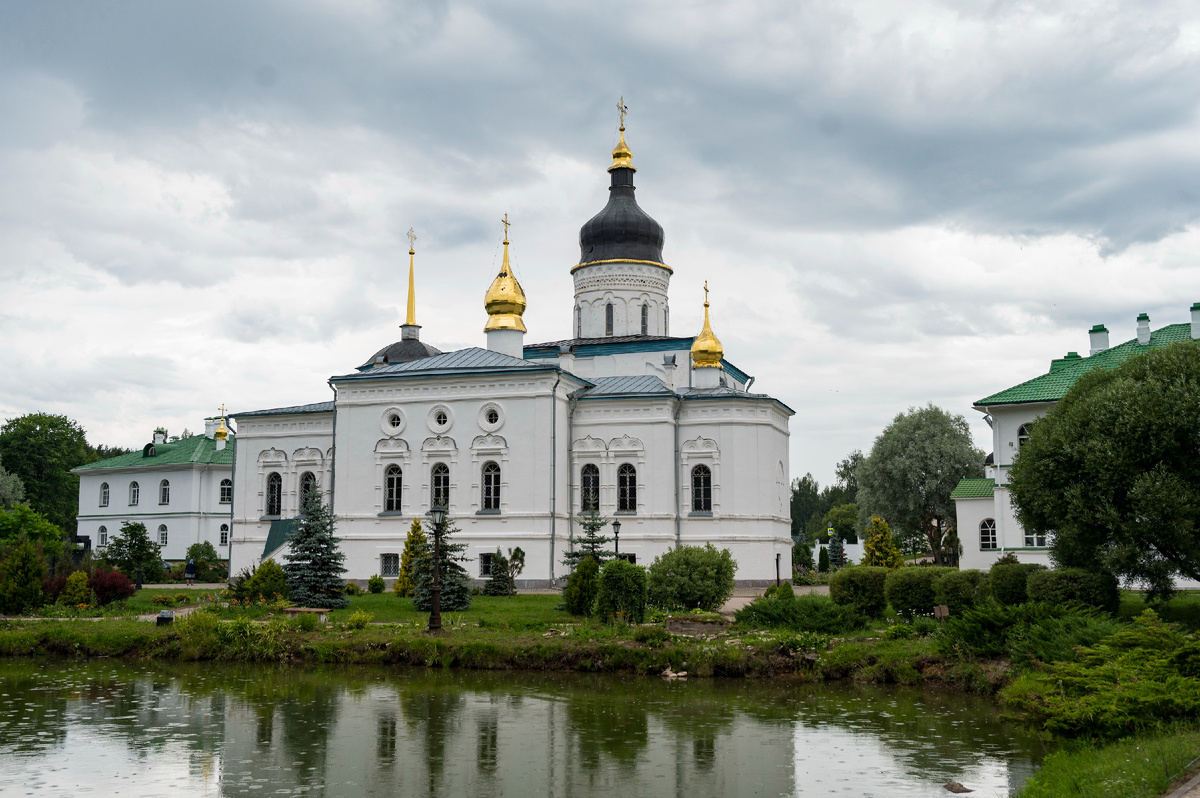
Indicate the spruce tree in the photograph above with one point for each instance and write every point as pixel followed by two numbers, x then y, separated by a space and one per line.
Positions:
pixel 836 552
pixel 314 564
pixel 414 548
pixel 500 581
pixel 455 584
pixel 591 542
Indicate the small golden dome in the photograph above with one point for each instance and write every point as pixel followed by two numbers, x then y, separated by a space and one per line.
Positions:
pixel 707 351
pixel 222 433
pixel 505 301
pixel 622 156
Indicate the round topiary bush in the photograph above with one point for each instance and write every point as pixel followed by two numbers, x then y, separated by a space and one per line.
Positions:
pixel 375 584
pixel 1064 585
pixel 911 591
pixel 960 590
pixel 582 586
pixel 860 587
pixel 1006 581
pixel 691 577
pixel 76 590
pixel 622 593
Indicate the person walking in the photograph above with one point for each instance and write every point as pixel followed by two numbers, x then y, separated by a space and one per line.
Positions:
pixel 189 573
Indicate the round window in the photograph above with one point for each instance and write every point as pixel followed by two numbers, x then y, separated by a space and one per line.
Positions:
pixel 492 416
pixel 394 421
pixel 441 418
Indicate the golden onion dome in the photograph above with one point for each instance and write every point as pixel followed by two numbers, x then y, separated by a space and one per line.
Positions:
pixel 505 301
pixel 222 432
pixel 622 155
pixel 707 351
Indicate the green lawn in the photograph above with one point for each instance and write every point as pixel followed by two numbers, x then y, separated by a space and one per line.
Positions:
pixel 533 612
pixel 1183 609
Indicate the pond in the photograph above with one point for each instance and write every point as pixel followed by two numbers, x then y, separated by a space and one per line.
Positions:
pixel 112 728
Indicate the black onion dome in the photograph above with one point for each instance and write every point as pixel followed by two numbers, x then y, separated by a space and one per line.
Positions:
pixel 622 231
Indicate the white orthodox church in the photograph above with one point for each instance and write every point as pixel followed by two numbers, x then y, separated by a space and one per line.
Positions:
pixel 518 439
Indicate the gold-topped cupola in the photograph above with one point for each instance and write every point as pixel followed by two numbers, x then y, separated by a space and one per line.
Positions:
pixel 707 352
pixel 505 304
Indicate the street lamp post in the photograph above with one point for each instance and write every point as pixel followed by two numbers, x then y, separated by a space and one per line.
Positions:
pixel 617 537
pixel 438 514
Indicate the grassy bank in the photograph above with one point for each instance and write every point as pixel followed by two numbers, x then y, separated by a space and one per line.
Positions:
pixel 1138 767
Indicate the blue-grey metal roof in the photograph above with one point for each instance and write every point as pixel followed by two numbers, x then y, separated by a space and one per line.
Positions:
pixel 640 385
pixel 319 407
pixel 463 361
pixel 725 392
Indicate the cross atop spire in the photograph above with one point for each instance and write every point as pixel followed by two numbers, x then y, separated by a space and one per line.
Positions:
pixel 622 109
pixel 706 293
pixel 412 241
pixel 506 224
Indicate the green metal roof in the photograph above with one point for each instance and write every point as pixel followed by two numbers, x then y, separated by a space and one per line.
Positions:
pixel 281 532
pixel 196 449
pixel 1053 385
pixel 974 489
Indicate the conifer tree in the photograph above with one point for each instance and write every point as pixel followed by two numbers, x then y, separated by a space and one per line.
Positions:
pixel 591 542
pixel 878 546
pixel 314 563
pixel 836 552
pixel 823 560
pixel 453 578
pixel 21 576
pixel 414 548
pixel 499 583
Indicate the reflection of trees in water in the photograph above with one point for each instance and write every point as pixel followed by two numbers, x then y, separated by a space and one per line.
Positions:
pixel 434 712
pixel 306 720
pixel 385 740
pixel 33 714
pixel 607 720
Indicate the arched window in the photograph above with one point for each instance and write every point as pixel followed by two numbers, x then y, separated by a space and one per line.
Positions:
pixel 666 321
pixel 608 319
pixel 308 485
pixel 162 534
pixel 134 491
pixel 439 486
pixel 274 494
pixel 578 322
pixel 103 535
pixel 393 483
pixel 645 319
pixel 1022 436
pixel 164 492
pixel 987 534
pixel 589 489
pixel 226 491
pixel 224 534
pixel 701 489
pixel 491 487
pixel 103 494
pixel 626 489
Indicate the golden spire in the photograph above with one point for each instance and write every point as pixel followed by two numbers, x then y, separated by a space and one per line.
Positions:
pixel 222 433
pixel 412 290
pixel 505 301
pixel 706 349
pixel 622 157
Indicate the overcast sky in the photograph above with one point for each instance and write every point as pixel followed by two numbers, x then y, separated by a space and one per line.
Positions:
pixel 894 203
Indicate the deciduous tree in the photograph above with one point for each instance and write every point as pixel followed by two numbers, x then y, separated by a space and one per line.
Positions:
pixel 1112 472
pixel 41 449
pixel 913 467
pixel 132 547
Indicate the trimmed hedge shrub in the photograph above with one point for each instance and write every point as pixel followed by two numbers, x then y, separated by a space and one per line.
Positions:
pixel 75 590
pixel 375 584
pixel 1074 584
pixel 582 586
pixel 800 614
pixel 911 590
pixel 961 590
pixel 860 587
pixel 781 590
pixel 622 593
pixel 691 577
pixel 1006 581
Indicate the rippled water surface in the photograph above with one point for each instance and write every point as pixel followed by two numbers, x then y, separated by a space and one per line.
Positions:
pixel 110 728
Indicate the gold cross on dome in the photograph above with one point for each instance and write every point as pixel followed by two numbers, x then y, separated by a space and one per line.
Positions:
pixel 223 411
pixel 506 224
pixel 706 292
pixel 622 109
pixel 412 239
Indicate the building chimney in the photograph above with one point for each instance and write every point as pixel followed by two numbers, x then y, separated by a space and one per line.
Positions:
pixel 1143 322
pixel 1196 321
pixel 210 426
pixel 1099 339
pixel 566 358
pixel 160 435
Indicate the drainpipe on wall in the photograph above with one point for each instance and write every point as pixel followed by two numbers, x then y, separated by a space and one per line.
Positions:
pixel 232 504
pixel 572 401
pixel 749 382
pixel 553 467
pixel 333 448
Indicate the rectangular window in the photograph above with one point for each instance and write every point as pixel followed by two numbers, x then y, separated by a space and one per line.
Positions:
pixel 1035 540
pixel 226 491
pixel 389 565
pixel 629 558
pixel 485 565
